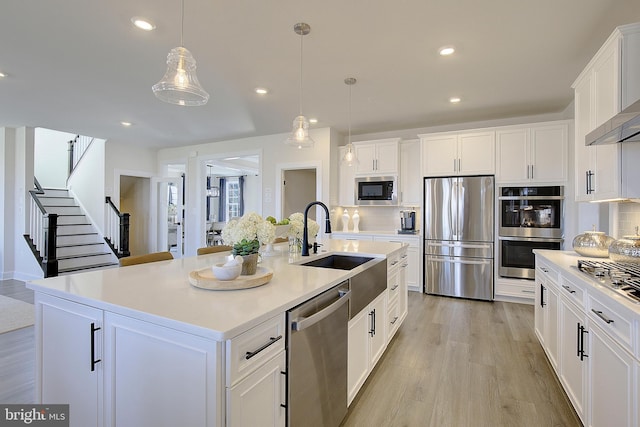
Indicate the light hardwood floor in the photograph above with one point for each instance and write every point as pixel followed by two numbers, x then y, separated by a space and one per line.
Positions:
pixel 453 363
pixel 458 362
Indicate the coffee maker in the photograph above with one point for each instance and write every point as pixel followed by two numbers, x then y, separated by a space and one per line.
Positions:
pixel 407 222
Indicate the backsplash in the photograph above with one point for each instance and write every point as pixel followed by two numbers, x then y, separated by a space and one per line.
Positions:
pixel 372 218
pixel 628 218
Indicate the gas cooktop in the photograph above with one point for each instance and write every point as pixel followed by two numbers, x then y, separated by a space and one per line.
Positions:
pixel 622 277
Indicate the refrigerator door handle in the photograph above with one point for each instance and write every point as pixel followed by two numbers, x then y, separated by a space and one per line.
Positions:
pixel 459 260
pixel 453 212
pixel 461 245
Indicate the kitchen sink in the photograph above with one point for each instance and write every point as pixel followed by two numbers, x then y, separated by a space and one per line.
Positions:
pixel 340 262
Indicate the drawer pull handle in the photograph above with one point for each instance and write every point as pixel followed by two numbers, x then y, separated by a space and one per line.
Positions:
pixel 568 289
pixel 272 340
pixel 394 262
pixel 602 316
pixel 394 288
pixel 528 291
pixel 395 319
pixel 546 270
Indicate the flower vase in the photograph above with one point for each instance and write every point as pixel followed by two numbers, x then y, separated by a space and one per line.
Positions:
pixel 295 245
pixel 249 264
pixel 356 221
pixel 345 221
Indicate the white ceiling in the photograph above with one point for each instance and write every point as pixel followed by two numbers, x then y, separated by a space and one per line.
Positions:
pixel 80 66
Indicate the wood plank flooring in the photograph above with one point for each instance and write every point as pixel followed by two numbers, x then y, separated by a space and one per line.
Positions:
pixel 453 362
pixel 459 363
pixel 17 353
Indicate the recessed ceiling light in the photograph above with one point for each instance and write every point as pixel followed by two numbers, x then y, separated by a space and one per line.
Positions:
pixel 447 50
pixel 261 91
pixel 2 74
pixel 143 23
pixel 126 124
pixel 313 121
pixel 454 100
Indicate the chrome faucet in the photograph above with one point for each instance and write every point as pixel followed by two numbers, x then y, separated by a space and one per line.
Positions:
pixel 305 232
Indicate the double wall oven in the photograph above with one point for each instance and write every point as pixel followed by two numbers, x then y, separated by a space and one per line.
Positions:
pixel 529 218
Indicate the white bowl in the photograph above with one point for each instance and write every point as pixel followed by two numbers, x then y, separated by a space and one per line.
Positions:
pixel 226 273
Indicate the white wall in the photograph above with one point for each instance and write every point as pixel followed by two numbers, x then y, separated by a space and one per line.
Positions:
pixel 87 183
pixel 51 157
pixel 273 154
pixel 7 156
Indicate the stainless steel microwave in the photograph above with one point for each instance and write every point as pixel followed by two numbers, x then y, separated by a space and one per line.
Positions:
pixel 376 190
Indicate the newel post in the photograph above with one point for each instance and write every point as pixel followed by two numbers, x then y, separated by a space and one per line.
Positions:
pixel 124 234
pixel 50 261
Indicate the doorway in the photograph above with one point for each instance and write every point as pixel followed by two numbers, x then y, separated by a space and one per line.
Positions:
pixel 135 200
pixel 298 190
pixel 170 215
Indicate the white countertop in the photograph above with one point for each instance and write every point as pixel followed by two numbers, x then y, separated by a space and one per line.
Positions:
pixel 160 292
pixel 567 261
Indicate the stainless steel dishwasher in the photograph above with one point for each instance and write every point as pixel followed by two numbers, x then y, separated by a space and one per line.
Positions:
pixel 317 359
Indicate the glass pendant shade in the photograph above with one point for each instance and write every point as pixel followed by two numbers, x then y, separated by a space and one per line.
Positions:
pixel 349 157
pixel 299 136
pixel 180 84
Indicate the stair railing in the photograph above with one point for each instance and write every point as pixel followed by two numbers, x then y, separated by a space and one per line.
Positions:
pixel 77 147
pixel 116 230
pixel 43 233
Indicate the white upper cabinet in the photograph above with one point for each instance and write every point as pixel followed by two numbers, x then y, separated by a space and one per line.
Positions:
pixel 458 153
pixel 377 157
pixel 607 85
pixel 410 178
pixel 532 154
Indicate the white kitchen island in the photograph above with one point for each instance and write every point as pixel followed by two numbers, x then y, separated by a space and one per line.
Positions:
pixel 140 346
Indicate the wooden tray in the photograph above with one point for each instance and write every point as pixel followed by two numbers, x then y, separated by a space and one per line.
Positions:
pixel 206 280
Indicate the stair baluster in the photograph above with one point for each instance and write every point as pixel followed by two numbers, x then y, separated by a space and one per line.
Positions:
pixel 42 234
pixel 117 230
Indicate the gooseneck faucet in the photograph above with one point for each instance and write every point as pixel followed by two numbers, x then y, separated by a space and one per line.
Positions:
pixel 305 232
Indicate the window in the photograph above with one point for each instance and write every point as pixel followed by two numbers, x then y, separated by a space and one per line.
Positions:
pixel 233 198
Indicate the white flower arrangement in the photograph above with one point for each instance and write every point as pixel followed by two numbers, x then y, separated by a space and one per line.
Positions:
pixel 296 229
pixel 246 234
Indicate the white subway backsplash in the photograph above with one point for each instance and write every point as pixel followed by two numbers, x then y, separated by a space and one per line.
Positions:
pixel 628 218
pixel 373 218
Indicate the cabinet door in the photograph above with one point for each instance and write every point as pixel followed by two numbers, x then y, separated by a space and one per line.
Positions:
pixel 607 178
pixel 513 155
pixel 476 153
pixel 358 353
pixel 612 401
pixel 410 177
pixel 584 155
pixel 68 342
pixel 258 400
pixel 572 369
pixel 386 158
pixel 366 155
pixel 606 84
pixel 378 328
pixel 346 190
pixel 551 325
pixel 145 383
pixel 549 153
pixel 439 155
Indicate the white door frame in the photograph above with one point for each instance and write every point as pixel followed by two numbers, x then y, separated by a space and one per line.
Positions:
pixel 161 216
pixel 279 185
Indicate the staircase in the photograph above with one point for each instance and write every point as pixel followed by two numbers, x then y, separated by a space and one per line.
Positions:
pixel 79 246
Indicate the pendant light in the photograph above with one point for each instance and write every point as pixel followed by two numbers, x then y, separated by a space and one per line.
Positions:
pixel 180 84
pixel 299 136
pixel 349 157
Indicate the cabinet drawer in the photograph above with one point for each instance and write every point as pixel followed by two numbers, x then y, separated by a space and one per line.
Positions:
pixel 572 292
pixel 611 321
pixel 519 290
pixel 393 317
pixel 251 349
pixel 393 284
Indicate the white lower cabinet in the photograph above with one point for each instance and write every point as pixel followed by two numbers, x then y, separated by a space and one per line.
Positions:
pixel 613 398
pixel 69 352
pixel 573 364
pixel 258 399
pixel 157 376
pixel 546 311
pixel 367 342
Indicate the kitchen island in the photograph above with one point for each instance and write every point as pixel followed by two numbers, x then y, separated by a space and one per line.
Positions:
pixel 140 346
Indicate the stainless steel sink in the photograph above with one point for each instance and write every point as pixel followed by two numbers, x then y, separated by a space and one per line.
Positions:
pixel 364 285
pixel 340 262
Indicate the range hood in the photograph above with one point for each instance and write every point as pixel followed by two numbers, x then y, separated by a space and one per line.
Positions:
pixel 623 127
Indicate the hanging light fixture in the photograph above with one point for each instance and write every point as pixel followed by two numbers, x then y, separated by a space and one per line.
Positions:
pixel 180 84
pixel 349 157
pixel 300 133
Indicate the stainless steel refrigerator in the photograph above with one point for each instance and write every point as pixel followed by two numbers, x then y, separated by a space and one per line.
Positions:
pixel 459 229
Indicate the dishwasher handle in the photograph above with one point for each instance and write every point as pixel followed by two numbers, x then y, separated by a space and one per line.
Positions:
pixel 302 323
